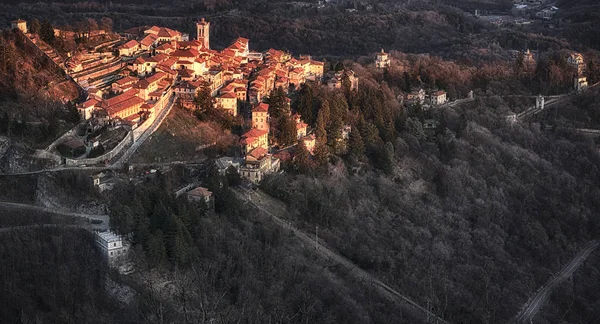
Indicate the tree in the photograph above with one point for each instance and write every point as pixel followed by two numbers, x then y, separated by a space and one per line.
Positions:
pixel 203 100
pixel 287 133
pixel 407 85
pixel 156 249
pixel 233 176
pixel 47 32
pixel 91 24
pixel 278 104
pixel 106 24
pixel 34 26
pixel 356 145
pixel 321 153
pixel 305 103
pixel 4 124
pixel 415 128
pixel 321 133
pixel 302 159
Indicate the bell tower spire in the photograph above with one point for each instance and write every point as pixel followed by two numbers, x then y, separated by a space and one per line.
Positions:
pixel 203 32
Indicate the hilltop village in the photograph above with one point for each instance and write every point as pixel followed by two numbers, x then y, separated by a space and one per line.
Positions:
pixel 134 81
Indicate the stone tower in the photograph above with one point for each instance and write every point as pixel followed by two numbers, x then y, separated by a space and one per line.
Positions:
pixel 203 29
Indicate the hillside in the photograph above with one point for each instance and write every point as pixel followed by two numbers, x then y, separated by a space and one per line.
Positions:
pixel 33 94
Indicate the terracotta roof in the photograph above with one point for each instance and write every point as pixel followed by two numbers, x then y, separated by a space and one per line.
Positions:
pixel 254 133
pixel 229 95
pixel 164 47
pixel 301 125
pixel 129 45
pixel 90 103
pixel 258 153
pixel 126 80
pixel 133 101
pixel 262 107
pixel 200 192
pixel 167 32
pixel 122 97
pixel 149 40
pixel 185 53
pixel 439 93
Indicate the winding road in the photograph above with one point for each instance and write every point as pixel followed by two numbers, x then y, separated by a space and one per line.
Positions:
pixel 269 205
pixel 534 304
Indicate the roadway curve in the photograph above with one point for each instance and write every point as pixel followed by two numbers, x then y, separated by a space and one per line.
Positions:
pixel 534 304
pixel 412 309
pixel 103 218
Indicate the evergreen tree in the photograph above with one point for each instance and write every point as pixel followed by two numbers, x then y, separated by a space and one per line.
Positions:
pixel 356 145
pixel 462 125
pixel 233 176
pixel 4 124
pixel 34 26
pixel 278 104
pixel 156 249
pixel 407 85
pixel 47 32
pixel 302 159
pixel 321 154
pixel 320 131
pixel 305 103
pixel 287 133
pixel 203 100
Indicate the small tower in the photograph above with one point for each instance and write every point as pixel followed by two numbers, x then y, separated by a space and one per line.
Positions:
pixel 383 60
pixel 203 29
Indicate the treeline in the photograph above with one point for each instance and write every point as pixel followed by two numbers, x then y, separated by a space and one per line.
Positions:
pixel 54 275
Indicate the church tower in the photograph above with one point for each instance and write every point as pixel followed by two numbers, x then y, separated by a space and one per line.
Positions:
pixel 203 29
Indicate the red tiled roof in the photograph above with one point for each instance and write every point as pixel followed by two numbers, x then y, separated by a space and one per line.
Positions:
pixel 254 133
pixel 126 80
pixel 262 107
pixel 229 95
pixel 258 153
pixel 149 40
pixel 133 101
pixel 129 45
pixel 185 53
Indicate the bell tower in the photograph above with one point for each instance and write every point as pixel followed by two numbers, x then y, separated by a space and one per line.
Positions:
pixel 203 29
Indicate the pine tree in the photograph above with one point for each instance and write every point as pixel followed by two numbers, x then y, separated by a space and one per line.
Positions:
pixel 287 133
pixel 34 26
pixel 305 104
pixel 47 32
pixel 278 104
pixel 321 154
pixel 233 176
pixel 204 100
pixel 320 131
pixel 156 249
pixel 356 145
pixel 302 159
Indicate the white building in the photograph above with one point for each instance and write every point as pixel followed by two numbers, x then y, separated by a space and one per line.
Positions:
pixel 438 98
pixel 112 246
pixel 580 83
pixel 20 25
pixel 383 61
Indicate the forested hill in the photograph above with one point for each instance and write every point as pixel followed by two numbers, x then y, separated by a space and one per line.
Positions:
pixel 471 219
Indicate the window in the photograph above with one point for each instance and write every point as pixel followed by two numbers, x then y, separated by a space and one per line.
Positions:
pixel 114 244
pixel 111 253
